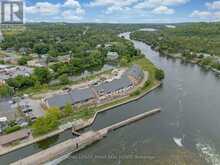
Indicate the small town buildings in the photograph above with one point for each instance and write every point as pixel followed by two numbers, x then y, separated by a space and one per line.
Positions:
pixel 6 140
pixel 13 71
pixel 38 62
pixel 119 86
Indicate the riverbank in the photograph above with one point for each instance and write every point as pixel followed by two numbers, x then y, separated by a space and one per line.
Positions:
pixel 206 61
pixel 88 119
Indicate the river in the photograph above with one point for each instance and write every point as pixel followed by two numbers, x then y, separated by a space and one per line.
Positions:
pixel 188 129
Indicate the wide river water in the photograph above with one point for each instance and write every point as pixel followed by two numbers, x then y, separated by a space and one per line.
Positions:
pixel 187 130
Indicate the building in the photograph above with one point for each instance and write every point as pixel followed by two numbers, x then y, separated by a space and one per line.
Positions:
pixel 74 97
pixel 80 96
pixel 37 63
pixel 112 56
pixel 6 140
pixel 23 50
pixel 59 101
pixel 135 73
pixel 114 87
pixel 12 72
pixel 65 59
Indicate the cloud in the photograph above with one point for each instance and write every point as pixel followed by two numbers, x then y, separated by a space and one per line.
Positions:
pixel 43 8
pixel 69 10
pixel 155 3
pixel 114 5
pixel 214 5
pixel 118 3
pixel 201 14
pixel 212 13
pixel 163 10
pixel 69 15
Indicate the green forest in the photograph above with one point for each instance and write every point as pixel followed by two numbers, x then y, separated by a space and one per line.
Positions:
pixel 197 42
pixel 86 44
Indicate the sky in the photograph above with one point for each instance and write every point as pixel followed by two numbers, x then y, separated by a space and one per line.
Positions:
pixel 122 11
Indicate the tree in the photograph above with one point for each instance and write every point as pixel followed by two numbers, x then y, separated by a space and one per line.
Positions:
pixel 23 61
pixel 42 74
pixel 41 48
pixel 159 74
pixel 68 109
pixel 64 79
pixel 5 91
pixel 47 123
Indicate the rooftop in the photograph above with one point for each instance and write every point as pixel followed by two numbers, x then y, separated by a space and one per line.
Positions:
pixel 74 97
pixel 59 100
pixel 81 95
pixel 113 86
pixel 136 72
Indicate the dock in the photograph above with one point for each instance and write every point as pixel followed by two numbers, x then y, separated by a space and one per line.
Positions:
pixel 78 143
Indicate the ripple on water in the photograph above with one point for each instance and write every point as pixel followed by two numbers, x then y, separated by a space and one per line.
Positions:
pixel 208 151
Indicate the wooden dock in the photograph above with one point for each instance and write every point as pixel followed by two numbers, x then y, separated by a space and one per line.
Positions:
pixel 76 144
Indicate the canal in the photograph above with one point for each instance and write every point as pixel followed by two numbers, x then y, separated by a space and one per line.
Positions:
pixel 188 129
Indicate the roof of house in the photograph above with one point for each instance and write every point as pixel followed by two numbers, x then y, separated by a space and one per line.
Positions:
pixel 81 95
pixel 112 56
pixel 74 97
pixel 18 135
pixel 59 100
pixel 113 86
pixel 7 111
pixel 136 72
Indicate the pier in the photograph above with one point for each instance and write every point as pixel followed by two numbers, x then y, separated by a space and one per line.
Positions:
pixel 78 143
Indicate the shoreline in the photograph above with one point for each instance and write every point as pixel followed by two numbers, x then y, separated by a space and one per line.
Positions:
pixel 192 61
pixel 82 123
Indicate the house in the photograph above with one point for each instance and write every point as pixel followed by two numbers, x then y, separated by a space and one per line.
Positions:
pixel 10 49
pixel 112 56
pixel 11 60
pixel 6 140
pixel 65 58
pixel 12 72
pixel 7 111
pixel 23 50
pixel 37 63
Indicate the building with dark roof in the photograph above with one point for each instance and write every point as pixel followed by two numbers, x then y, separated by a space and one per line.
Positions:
pixel 113 86
pixel 81 95
pixel 59 100
pixel 136 72
pixel 74 97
